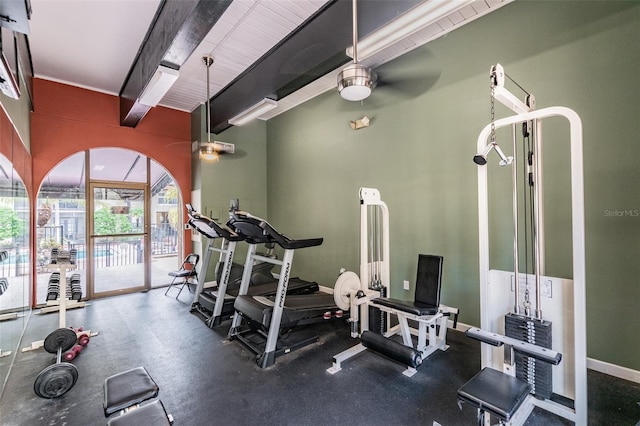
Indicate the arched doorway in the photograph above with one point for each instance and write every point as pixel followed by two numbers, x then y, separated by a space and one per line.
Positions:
pixel 119 210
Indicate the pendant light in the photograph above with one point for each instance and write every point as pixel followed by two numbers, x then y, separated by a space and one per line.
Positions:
pixel 208 151
pixel 356 81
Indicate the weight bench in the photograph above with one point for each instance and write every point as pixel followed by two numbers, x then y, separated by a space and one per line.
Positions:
pixel 125 392
pixel 494 392
pixel 425 310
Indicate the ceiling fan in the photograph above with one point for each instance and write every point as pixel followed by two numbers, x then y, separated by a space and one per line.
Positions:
pixel 211 151
pixel 356 81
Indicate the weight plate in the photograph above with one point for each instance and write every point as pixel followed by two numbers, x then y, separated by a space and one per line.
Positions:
pixel 69 356
pixel 62 337
pixel 345 284
pixel 55 380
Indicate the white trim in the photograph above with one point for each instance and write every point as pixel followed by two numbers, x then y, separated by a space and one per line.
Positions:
pixel 461 327
pixel 592 364
pixel 614 370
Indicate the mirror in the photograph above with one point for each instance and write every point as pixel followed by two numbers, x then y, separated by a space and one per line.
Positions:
pixel 14 263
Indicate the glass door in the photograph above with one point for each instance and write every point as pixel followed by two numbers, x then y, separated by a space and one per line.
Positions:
pixel 118 237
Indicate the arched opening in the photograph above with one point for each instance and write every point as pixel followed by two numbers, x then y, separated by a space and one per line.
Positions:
pixel 120 211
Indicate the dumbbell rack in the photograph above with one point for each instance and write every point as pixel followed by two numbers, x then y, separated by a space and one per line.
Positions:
pixel 61 268
pixel 58 260
pixel 4 284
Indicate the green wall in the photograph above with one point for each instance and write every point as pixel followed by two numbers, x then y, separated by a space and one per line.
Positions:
pixel 418 149
pixel 242 175
pixel 19 111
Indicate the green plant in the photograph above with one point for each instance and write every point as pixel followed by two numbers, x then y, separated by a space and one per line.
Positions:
pixel 10 224
pixel 107 223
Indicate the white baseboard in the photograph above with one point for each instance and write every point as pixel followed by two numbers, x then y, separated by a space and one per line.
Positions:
pixel 614 370
pixel 593 364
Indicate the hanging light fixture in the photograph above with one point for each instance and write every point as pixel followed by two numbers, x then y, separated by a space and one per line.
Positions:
pixel 356 81
pixel 208 151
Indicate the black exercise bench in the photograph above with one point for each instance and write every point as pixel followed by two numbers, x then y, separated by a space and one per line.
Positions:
pixel 497 393
pixel 125 392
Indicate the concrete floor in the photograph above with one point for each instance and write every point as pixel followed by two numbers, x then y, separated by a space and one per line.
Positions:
pixel 205 379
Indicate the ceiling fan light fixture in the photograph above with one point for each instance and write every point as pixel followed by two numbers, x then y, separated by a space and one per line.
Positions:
pixel 355 82
pixel 208 152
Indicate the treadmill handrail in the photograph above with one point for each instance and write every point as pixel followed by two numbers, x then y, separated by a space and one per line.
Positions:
pixel 269 233
pixel 228 234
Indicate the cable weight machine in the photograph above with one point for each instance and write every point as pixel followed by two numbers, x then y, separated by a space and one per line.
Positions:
pixel 520 343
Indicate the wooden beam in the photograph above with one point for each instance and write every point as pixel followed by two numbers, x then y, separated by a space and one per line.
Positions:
pixel 178 27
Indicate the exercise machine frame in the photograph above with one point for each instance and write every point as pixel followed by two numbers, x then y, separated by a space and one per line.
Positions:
pixel 226 251
pixel 576 380
pixel 360 297
pixel 266 356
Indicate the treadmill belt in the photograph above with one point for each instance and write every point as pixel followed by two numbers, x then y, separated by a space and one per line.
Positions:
pixel 298 309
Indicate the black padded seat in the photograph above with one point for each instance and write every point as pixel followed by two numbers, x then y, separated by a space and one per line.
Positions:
pixel 427 293
pixel 151 414
pixel 299 309
pixel 495 392
pixel 416 308
pixel 128 388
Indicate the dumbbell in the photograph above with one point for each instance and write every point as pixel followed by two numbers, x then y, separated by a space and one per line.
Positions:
pixel 76 287
pixel 83 336
pixel 4 284
pixel 57 379
pixel 74 352
pixel 54 255
pixel 53 288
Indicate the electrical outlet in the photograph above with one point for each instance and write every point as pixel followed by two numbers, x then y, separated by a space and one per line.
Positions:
pixel 546 288
pixel 406 284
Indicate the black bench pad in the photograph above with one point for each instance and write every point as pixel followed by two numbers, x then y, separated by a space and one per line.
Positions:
pixel 128 388
pixel 410 307
pixel 495 392
pixel 151 414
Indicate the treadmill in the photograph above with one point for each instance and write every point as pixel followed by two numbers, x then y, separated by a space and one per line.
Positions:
pixel 216 304
pixel 259 320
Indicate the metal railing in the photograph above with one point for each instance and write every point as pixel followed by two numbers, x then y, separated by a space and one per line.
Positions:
pixel 17 262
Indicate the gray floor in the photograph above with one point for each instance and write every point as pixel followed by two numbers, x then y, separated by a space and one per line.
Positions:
pixel 207 380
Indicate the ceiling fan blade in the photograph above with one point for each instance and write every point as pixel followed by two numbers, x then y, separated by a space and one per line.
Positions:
pixel 407 78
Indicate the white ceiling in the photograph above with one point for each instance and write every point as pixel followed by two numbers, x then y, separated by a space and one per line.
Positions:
pixel 92 43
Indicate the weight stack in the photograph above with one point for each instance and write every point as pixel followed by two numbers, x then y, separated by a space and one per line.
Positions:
pixel 538 332
pixel 377 318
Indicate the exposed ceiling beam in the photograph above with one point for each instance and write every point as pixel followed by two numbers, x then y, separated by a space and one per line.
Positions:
pixel 177 29
pixel 316 47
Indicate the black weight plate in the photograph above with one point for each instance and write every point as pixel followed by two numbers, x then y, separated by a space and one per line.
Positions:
pixel 55 380
pixel 62 337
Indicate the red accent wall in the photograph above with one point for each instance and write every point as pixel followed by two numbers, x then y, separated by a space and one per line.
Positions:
pixel 70 119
